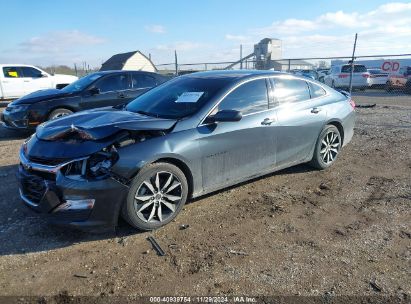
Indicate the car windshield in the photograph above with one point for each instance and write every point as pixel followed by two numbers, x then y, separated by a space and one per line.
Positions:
pixel 177 98
pixel 82 83
pixel 357 69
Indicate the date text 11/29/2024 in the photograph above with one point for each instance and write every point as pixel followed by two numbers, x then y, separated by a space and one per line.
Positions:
pixel 220 299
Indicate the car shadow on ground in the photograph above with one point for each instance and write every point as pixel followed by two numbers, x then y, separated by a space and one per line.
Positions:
pixel 24 231
pixel 302 168
pixel 8 134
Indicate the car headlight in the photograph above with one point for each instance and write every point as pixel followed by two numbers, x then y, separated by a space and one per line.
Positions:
pixel 17 108
pixel 97 166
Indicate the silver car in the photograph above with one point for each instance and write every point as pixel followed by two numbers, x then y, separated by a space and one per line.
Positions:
pixel 192 135
pixel 339 77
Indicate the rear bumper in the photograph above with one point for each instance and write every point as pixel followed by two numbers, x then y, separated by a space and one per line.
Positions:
pixel 54 199
pixel 356 83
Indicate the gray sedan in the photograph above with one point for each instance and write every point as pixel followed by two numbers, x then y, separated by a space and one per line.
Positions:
pixel 190 136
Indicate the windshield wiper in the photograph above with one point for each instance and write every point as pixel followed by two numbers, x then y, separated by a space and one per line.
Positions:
pixel 147 114
pixel 120 106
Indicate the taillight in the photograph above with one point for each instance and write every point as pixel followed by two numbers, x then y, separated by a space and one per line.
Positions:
pixel 352 103
pixel 366 75
pixel 343 75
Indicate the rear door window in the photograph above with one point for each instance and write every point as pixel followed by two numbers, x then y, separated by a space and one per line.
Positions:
pixel 248 98
pixel 117 82
pixel 316 90
pixel 142 81
pixel 290 90
pixel 12 72
pixel 357 68
pixel 31 72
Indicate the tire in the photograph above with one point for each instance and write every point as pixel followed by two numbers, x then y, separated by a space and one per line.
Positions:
pixel 327 148
pixel 148 206
pixel 57 113
pixel 388 87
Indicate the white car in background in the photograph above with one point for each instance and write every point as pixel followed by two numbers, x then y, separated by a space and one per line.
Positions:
pixel 378 78
pixel 17 80
pixel 322 73
pixel 339 76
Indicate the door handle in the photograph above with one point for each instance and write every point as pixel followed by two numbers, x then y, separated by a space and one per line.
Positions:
pixel 26 80
pixel 267 121
pixel 315 110
pixel 122 95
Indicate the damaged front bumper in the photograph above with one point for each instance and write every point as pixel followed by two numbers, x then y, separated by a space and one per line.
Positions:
pixel 83 204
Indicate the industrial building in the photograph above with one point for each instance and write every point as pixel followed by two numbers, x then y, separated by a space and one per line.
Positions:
pixel 267 55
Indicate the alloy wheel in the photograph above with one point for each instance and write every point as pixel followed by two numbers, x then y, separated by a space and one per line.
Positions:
pixel 58 115
pixel 158 197
pixel 330 147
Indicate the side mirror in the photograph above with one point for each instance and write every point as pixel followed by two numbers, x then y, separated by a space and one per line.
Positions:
pixel 43 75
pixel 94 91
pixel 225 116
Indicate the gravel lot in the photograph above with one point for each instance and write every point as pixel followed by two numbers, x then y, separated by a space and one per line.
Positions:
pixel 343 231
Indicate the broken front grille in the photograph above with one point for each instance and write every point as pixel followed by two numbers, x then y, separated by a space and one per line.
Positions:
pixel 33 187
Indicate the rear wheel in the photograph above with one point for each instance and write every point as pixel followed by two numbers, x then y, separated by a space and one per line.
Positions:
pixel 156 196
pixel 327 148
pixel 388 87
pixel 57 113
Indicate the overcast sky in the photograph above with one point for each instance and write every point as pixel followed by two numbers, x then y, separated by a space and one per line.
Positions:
pixel 63 32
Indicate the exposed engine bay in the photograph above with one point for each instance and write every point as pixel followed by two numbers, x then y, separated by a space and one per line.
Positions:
pixel 97 166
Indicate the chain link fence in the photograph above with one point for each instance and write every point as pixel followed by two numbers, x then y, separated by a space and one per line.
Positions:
pixel 375 75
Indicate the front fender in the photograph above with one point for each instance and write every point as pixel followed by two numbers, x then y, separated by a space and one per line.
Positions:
pixel 180 146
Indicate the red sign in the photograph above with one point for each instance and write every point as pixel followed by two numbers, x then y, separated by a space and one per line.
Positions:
pixel 390 66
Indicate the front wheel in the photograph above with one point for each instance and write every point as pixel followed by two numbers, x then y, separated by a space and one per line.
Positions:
pixel 156 196
pixel 57 113
pixel 327 148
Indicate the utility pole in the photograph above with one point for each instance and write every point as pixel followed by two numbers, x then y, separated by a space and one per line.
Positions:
pixel 352 62
pixel 176 62
pixel 241 56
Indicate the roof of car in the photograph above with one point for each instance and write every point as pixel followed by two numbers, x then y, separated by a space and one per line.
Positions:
pixel 121 71
pixel 234 74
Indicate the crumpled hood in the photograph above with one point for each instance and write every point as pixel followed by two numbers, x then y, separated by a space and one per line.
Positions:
pixel 96 125
pixel 40 96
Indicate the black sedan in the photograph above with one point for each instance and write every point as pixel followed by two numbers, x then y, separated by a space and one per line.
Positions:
pixel 101 89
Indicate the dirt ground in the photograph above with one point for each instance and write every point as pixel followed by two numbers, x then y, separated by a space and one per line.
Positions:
pixel 342 231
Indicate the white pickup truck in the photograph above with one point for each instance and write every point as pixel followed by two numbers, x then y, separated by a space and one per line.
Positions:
pixel 17 80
